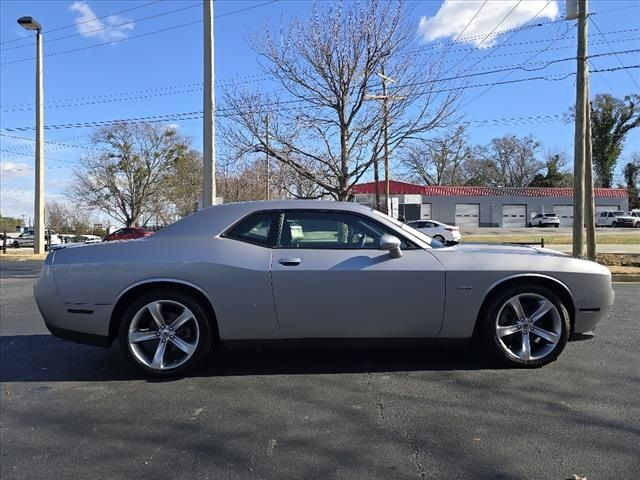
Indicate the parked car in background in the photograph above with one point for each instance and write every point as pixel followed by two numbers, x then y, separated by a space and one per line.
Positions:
pixel 447 234
pixel 243 274
pixel 616 219
pixel 128 233
pixel 635 214
pixel 27 238
pixel 545 220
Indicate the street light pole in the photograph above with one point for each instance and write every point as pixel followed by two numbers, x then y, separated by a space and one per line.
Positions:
pixel 30 23
pixel 209 130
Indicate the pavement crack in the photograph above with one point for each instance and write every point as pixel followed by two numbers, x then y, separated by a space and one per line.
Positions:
pixel 416 458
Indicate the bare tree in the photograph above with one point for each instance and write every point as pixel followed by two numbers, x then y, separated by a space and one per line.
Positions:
pixel 326 122
pixel 128 173
pixel 507 161
pixel 57 216
pixel 438 161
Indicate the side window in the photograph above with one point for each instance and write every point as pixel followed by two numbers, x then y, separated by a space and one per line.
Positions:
pixel 256 229
pixel 330 230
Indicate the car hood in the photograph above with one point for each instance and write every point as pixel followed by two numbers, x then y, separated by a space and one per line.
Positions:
pixel 511 258
pixel 503 248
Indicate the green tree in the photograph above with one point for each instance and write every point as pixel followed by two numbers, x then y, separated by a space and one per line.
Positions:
pixel 611 121
pixel 556 175
pixel 631 174
pixel 10 223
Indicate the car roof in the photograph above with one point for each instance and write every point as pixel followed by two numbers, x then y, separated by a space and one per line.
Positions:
pixel 218 218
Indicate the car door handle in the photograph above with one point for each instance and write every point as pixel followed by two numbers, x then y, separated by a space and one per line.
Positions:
pixel 289 262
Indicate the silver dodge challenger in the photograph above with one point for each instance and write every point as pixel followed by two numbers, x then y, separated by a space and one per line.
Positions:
pixel 302 269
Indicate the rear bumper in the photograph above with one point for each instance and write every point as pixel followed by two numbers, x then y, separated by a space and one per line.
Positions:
pixel 79 337
pixel 81 323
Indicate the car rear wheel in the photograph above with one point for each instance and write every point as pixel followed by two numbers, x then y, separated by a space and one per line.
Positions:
pixel 526 326
pixel 614 224
pixel 165 333
pixel 440 238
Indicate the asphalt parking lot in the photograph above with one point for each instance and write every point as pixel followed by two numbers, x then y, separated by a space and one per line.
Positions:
pixel 73 411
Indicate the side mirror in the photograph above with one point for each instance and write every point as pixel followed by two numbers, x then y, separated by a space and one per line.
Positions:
pixel 392 245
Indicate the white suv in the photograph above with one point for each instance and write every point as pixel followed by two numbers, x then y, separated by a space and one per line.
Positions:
pixel 616 219
pixel 545 220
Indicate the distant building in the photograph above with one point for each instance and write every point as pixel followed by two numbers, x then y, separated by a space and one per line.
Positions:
pixel 486 206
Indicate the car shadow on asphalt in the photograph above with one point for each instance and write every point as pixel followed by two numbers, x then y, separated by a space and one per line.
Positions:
pixel 44 358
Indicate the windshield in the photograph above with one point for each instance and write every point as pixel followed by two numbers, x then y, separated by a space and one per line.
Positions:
pixel 411 231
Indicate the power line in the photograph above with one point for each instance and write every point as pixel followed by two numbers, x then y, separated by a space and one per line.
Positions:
pixel 504 77
pixel 227 112
pixel 611 48
pixel 24 154
pixel 133 37
pixel 512 35
pixel 53 142
pixel 86 21
pixel 108 27
pixel 492 30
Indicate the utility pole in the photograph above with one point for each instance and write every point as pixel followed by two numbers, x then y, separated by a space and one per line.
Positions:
pixel 376 181
pixel 385 131
pixel 589 211
pixel 385 112
pixel 209 127
pixel 266 160
pixel 29 23
pixel 580 131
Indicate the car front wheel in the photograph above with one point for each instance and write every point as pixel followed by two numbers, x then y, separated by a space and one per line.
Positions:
pixel 165 333
pixel 526 326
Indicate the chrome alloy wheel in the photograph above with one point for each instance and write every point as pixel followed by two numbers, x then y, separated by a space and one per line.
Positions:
pixel 528 327
pixel 163 335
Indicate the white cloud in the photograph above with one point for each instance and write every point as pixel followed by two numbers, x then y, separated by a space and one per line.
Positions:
pixel 90 26
pixel 454 15
pixel 12 169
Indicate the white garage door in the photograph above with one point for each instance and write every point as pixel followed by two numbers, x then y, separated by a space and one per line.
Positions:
pixel 467 214
pixel 514 215
pixel 425 211
pixel 565 213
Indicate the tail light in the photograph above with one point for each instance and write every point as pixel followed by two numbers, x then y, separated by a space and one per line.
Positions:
pixel 452 229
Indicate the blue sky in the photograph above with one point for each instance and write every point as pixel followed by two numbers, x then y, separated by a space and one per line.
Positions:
pixel 140 73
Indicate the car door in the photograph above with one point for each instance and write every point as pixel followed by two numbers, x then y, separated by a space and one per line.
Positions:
pixel 330 280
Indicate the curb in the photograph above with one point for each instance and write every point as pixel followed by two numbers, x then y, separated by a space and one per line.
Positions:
pixel 625 277
pixel 21 258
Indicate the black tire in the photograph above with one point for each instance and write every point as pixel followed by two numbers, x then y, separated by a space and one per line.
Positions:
pixel 556 226
pixel 556 321
pixel 614 225
pixel 16 244
pixel 172 299
pixel 440 238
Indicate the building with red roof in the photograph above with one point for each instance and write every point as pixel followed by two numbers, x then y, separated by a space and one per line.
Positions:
pixel 470 206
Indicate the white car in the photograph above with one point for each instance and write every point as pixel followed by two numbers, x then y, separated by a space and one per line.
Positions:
pixel 635 214
pixel 438 231
pixel 616 219
pixel 545 220
pixel 26 239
